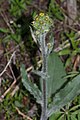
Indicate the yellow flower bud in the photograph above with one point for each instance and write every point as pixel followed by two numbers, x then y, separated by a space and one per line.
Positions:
pixel 49 45
pixel 41 14
pixel 37 19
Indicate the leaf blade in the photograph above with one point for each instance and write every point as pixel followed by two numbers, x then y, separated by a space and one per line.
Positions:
pixel 56 73
pixel 66 95
pixel 32 88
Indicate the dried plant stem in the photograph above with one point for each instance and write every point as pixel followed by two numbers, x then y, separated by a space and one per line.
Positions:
pixel 7 64
pixel 3 14
pixel 7 91
pixel 72 10
pixel 22 114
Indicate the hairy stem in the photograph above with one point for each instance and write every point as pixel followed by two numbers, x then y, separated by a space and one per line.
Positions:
pixel 44 70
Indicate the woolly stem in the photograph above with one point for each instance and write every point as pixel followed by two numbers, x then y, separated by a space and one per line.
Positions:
pixel 44 70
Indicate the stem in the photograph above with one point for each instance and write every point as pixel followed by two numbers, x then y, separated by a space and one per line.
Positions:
pixel 44 70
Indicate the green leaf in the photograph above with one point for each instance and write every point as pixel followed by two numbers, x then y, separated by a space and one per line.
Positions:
pixel 65 95
pixel 76 111
pixel 72 38
pixel 74 108
pixel 32 88
pixel 16 37
pixel 73 117
pixel 68 62
pixel 18 104
pixel 3 30
pixel 56 73
pixel 72 74
pixel 55 10
pixel 79 116
pixel 55 116
pixel 7 38
pixel 65 52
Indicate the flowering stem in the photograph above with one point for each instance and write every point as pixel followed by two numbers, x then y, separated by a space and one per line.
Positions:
pixel 42 24
pixel 44 70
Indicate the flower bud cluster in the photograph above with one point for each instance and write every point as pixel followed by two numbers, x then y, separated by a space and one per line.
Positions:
pixel 42 23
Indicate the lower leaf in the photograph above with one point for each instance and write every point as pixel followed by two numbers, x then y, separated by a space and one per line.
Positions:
pixel 32 88
pixel 65 95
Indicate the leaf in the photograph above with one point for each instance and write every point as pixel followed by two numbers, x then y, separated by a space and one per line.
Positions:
pixel 16 37
pixel 65 52
pixel 56 73
pixel 32 33
pixel 32 88
pixel 7 38
pixel 72 74
pixel 65 95
pixel 68 117
pixel 18 104
pixel 3 30
pixel 73 117
pixel 55 10
pixel 79 116
pixel 55 116
pixel 68 62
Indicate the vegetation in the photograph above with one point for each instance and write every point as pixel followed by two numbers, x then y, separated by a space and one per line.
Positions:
pixel 39 60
